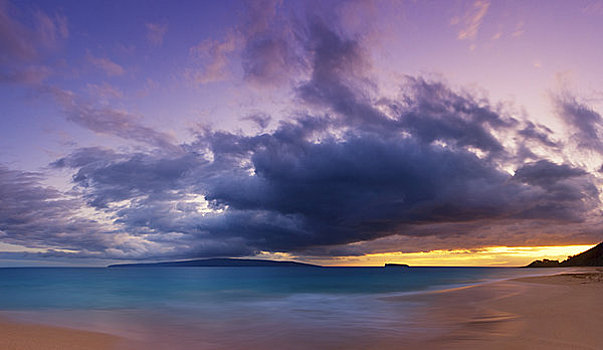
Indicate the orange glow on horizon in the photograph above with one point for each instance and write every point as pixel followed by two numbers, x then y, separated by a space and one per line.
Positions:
pixel 487 256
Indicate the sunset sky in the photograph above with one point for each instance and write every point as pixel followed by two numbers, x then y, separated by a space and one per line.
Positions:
pixel 333 132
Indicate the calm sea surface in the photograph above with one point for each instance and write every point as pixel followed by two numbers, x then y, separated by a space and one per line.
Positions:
pixel 209 307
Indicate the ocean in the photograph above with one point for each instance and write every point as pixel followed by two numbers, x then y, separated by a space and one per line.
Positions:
pixel 245 307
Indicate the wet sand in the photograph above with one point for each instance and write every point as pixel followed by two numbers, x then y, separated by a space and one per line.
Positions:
pixel 549 312
pixel 24 336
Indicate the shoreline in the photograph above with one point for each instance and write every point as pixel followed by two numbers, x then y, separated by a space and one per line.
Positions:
pixel 560 310
pixel 540 312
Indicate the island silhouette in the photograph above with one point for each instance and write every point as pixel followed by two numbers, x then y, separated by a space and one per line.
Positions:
pixel 220 262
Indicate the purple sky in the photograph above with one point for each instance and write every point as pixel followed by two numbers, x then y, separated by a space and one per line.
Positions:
pixel 314 130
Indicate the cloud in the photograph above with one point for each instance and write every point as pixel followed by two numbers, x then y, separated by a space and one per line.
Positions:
pixel 545 173
pixel 155 33
pixel 585 123
pixel 37 216
pixel 33 75
pixel 109 67
pixel 213 58
pixel 539 133
pixel 34 215
pixel 594 7
pixel 270 53
pixel 51 29
pixel 351 172
pixel 26 39
pixel 261 119
pixel 334 184
pixel 266 42
pixel 472 19
pixel 337 80
pixel 104 92
pixel 106 120
pixel 15 38
pixel 563 185
pixel 120 177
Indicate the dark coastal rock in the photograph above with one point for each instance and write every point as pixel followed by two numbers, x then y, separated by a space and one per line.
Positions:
pixel 591 257
pixel 545 263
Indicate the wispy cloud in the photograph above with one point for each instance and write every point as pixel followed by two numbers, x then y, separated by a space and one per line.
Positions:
pixel 211 60
pixel 104 92
pixel 51 29
pixel 15 38
pixel 28 75
pixel 156 32
pixel 25 39
pixel 266 45
pixel 471 20
pixel 593 7
pixel 109 67
pixel 110 121
pixel 519 29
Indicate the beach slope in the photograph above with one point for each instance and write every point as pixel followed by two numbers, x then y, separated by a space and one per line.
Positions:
pixel 549 312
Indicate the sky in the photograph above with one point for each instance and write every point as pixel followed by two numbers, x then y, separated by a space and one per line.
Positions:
pixel 333 132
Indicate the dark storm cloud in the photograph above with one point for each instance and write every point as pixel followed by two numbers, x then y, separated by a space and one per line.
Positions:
pixel 539 133
pixel 355 168
pixel 39 216
pixel 584 122
pixel 564 188
pixel 469 235
pixel 118 177
pixel 35 215
pixel 338 67
pixel 320 182
pixel 545 173
pixel 262 120
pixel 428 110
pixel 437 113
pixel 535 135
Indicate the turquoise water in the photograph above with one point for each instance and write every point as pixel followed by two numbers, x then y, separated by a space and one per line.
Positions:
pixel 228 307
pixel 110 288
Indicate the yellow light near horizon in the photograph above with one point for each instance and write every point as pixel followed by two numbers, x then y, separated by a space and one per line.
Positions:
pixel 488 256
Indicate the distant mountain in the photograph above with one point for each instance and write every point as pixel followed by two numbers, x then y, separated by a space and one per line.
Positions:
pixel 591 257
pixel 220 263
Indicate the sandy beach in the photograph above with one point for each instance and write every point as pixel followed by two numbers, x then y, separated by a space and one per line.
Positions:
pixel 24 336
pixel 549 312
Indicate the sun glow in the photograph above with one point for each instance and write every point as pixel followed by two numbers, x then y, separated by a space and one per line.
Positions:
pixel 487 256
